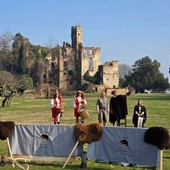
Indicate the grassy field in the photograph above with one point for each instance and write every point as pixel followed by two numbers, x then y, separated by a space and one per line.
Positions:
pixel 38 111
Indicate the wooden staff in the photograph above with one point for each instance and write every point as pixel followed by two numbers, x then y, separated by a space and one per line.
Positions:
pixel 70 154
pixel 161 160
pixel 9 150
pixel 14 161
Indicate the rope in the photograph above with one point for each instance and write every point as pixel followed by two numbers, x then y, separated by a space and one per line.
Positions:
pixel 7 160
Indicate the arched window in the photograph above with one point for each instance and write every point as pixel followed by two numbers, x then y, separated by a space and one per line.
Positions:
pixel 90 64
pixel 85 52
pixel 90 52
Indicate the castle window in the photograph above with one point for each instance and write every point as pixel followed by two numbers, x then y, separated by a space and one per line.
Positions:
pixel 71 82
pixel 90 52
pixel 65 63
pixel 85 52
pixel 90 64
pixel 44 77
pixel 70 72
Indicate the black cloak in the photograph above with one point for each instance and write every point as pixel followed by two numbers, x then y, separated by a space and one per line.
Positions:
pixel 118 108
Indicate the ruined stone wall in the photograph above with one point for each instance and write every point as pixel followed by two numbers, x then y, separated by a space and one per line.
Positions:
pixel 61 71
pixel 110 74
pixel 90 60
pixel 68 69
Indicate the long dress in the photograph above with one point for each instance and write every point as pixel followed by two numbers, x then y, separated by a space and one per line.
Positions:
pixel 56 102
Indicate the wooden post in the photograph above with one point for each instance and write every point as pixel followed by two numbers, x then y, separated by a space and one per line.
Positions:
pixel 161 160
pixel 70 154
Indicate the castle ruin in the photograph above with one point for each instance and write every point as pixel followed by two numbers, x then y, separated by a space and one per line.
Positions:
pixel 74 60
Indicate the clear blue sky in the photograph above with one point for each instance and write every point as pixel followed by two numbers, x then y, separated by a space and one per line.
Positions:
pixel 125 30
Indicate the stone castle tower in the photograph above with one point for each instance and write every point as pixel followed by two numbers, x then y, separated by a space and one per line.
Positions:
pixel 76 37
pixel 75 60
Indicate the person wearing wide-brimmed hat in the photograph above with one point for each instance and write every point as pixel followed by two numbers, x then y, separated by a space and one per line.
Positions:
pixel 56 102
pixel 78 103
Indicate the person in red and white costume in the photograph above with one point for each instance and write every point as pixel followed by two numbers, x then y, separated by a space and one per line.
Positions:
pixel 56 102
pixel 78 103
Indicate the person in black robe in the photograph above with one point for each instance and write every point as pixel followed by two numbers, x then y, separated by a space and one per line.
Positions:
pixel 118 107
pixel 139 111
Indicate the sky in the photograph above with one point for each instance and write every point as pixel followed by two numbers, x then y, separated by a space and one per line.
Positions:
pixel 125 30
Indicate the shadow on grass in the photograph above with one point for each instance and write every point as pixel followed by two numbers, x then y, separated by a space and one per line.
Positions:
pixel 59 165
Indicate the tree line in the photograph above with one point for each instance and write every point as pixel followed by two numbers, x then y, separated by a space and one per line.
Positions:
pixel 23 66
pixel 143 75
pixel 146 74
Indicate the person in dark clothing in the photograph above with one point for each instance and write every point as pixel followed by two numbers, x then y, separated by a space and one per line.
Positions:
pixel 118 107
pixel 139 112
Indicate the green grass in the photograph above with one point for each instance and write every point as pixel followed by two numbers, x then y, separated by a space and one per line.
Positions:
pixel 38 111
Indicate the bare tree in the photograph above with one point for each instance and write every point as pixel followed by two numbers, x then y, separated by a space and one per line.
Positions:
pixel 124 69
pixel 51 42
pixel 9 84
pixel 6 40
